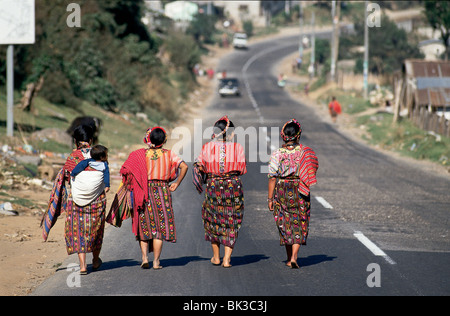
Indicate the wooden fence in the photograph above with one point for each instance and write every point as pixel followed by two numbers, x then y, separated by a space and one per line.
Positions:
pixel 429 121
pixel 349 81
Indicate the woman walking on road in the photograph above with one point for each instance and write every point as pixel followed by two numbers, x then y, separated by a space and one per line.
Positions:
pixel 85 221
pixel 146 177
pixel 222 162
pixel 292 171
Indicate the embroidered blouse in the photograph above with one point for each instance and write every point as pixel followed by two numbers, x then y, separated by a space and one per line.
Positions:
pixel 162 164
pixel 300 162
pixel 218 158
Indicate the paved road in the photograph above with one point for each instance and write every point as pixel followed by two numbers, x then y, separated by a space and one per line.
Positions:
pixel 386 232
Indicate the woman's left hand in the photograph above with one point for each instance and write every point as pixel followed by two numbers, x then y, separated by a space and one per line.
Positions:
pixel 271 206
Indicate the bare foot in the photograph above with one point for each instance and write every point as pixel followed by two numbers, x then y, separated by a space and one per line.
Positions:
pixel 215 261
pixel 226 264
pixel 156 265
pixel 294 265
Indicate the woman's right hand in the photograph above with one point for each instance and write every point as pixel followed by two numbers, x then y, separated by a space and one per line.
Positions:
pixel 173 187
pixel 271 206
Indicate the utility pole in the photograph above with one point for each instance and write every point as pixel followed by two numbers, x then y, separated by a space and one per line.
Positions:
pixel 10 91
pixel 15 31
pixel 300 15
pixel 313 45
pixel 366 51
pixel 335 14
pixel 209 8
pixel 287 7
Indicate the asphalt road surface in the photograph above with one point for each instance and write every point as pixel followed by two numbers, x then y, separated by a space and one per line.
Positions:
pixel 378 226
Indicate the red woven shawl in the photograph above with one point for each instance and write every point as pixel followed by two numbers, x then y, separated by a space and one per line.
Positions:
pixel 134 176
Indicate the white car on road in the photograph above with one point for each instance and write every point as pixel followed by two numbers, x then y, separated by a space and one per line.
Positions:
pixel 240 40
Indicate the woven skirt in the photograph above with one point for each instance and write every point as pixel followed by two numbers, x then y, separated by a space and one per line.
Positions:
pixel 291 212
pixel 157 221
pixel 223 210
pixel 85 226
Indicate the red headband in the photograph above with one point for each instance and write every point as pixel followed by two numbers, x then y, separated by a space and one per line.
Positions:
pixel 147 137
pixel 291 138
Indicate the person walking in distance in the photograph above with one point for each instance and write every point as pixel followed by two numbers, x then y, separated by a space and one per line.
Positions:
pixel 335 109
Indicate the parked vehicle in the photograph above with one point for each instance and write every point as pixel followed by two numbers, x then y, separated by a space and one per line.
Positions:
pixel 240 40
pixel 229 86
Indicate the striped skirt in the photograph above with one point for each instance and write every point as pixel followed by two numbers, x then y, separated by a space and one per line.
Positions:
pixel 157 221
pixel 85 226
pixel 291 212
pixel 223 210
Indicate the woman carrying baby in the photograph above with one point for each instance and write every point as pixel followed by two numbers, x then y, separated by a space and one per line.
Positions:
pixel 85 211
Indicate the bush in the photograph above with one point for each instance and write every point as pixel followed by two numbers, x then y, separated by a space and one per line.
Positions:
pixel 248 27
pixel 57 89
pixel 184 52
pixel 100 92
pixel 202 28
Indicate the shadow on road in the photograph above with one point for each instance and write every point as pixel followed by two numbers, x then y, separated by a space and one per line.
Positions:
pixel 182 261
pixel 235 261
pixel 315 259
pixel 247 259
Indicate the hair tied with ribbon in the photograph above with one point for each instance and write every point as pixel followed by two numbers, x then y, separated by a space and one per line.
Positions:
pixel 226 119
pixel 148 141
pixel 293 137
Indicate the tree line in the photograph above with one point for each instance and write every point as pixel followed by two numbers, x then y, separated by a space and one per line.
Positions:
pixel 112 60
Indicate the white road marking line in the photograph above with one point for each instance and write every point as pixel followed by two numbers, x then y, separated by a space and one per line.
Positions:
pixel 324 202
pixel 264 169
pixel 372 247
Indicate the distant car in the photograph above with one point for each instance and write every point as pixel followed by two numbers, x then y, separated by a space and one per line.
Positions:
pixel 229 86
pixel 240 40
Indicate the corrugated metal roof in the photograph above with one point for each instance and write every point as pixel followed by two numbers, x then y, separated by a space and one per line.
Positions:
pixel 421 68
pixel 434 97
pixel 432 80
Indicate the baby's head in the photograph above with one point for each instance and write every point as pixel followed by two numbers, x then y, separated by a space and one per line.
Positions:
pixel 99 153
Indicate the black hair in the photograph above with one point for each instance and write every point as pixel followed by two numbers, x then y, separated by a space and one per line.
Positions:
pixel 157 136
pixel 99 152
pixel 291 129
pixel 83 133
pixel 220 126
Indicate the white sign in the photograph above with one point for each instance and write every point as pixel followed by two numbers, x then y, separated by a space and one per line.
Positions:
pixel 17 22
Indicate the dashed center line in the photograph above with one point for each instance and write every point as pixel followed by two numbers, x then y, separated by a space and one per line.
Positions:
pixel 360 236
pixel 324 202
pixel 372 247
pixel 264 168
